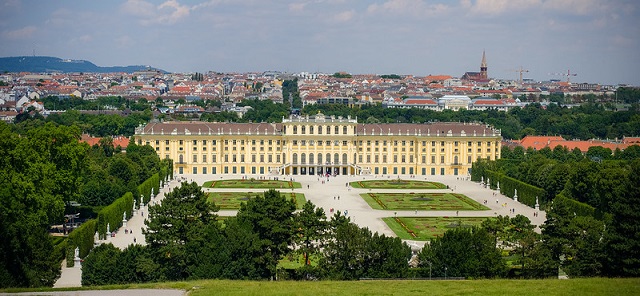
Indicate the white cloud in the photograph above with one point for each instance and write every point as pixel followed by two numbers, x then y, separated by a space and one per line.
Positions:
pixel 297 7
pixel 495 7
pixel 580 7
pixel 138 8
pixel 174 11
pixel 22 33
pixel 407 7
pixel 344 16
pixel 168 12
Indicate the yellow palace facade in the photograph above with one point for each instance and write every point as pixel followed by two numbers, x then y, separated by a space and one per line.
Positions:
pixel 321 145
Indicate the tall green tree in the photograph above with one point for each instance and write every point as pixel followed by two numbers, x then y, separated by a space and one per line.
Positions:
pixel 311 227
pixel 271 218
pixel 463 253
pixel 352 252
pixel 623 233
pixel 39 171
pixel 181 220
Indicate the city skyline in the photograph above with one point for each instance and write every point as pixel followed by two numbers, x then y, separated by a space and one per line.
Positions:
pixel 597 40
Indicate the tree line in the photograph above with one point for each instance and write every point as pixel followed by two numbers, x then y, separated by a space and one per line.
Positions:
pixel 593 208
pixel 45 166
pixel 186 240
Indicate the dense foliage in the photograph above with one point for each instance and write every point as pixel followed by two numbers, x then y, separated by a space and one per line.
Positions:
pixel 290 93
pixel 39 171
pixel 186 241
pixel 582 122
pixel 593 214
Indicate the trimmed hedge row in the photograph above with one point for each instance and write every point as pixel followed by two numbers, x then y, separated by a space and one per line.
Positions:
pixel 526 193
pixel 579 208
pixel 145 189
pixel 481 171
pixel 112 214
pixel 82 238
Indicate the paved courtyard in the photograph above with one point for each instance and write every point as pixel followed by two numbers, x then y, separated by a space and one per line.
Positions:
pixel 335 194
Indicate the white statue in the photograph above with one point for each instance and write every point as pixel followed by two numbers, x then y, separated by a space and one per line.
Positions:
pixel 108 229
pixel 152 196
pixel 76 258
pixel 498 186
pixel 515 194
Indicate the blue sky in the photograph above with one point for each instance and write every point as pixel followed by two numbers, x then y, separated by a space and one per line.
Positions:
pixel 597 39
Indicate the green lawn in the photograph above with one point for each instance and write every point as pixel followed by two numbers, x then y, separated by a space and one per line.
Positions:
pixel 427 228
pixel 232 200
pixel 398 184
pixel 251 183
pixel 422 201
pixel 547 287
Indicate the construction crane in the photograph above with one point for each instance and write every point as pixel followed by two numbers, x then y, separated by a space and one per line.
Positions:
pixel 568 75
pixel 521 70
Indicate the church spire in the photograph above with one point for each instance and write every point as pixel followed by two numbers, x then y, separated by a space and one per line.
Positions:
pixel 484 60
pixel 483 67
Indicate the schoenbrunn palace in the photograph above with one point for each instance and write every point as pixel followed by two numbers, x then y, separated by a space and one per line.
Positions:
pixel 319 144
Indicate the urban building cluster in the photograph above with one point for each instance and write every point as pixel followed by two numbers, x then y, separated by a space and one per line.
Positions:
pixel 472 90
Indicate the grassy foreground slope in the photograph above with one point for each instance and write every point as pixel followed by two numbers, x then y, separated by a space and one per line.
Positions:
pixel 548 287
pixel 596 286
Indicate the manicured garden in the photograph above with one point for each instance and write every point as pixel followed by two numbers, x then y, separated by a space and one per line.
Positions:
pixel 232 200
pixel 422 201
pixel 398 184
pixel 252 183
pixel 427 228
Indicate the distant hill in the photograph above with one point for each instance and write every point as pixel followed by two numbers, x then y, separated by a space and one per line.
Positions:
pixel 52 64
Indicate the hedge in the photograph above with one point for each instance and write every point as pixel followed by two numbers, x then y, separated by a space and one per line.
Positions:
pixel 526 193
pixel 81 237
pixel 112 214
pixel 481 171
pixel 579 208
pixel 145 189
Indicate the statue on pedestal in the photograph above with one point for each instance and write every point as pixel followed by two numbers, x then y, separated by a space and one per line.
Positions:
pixel 124 219
pixel 515 194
